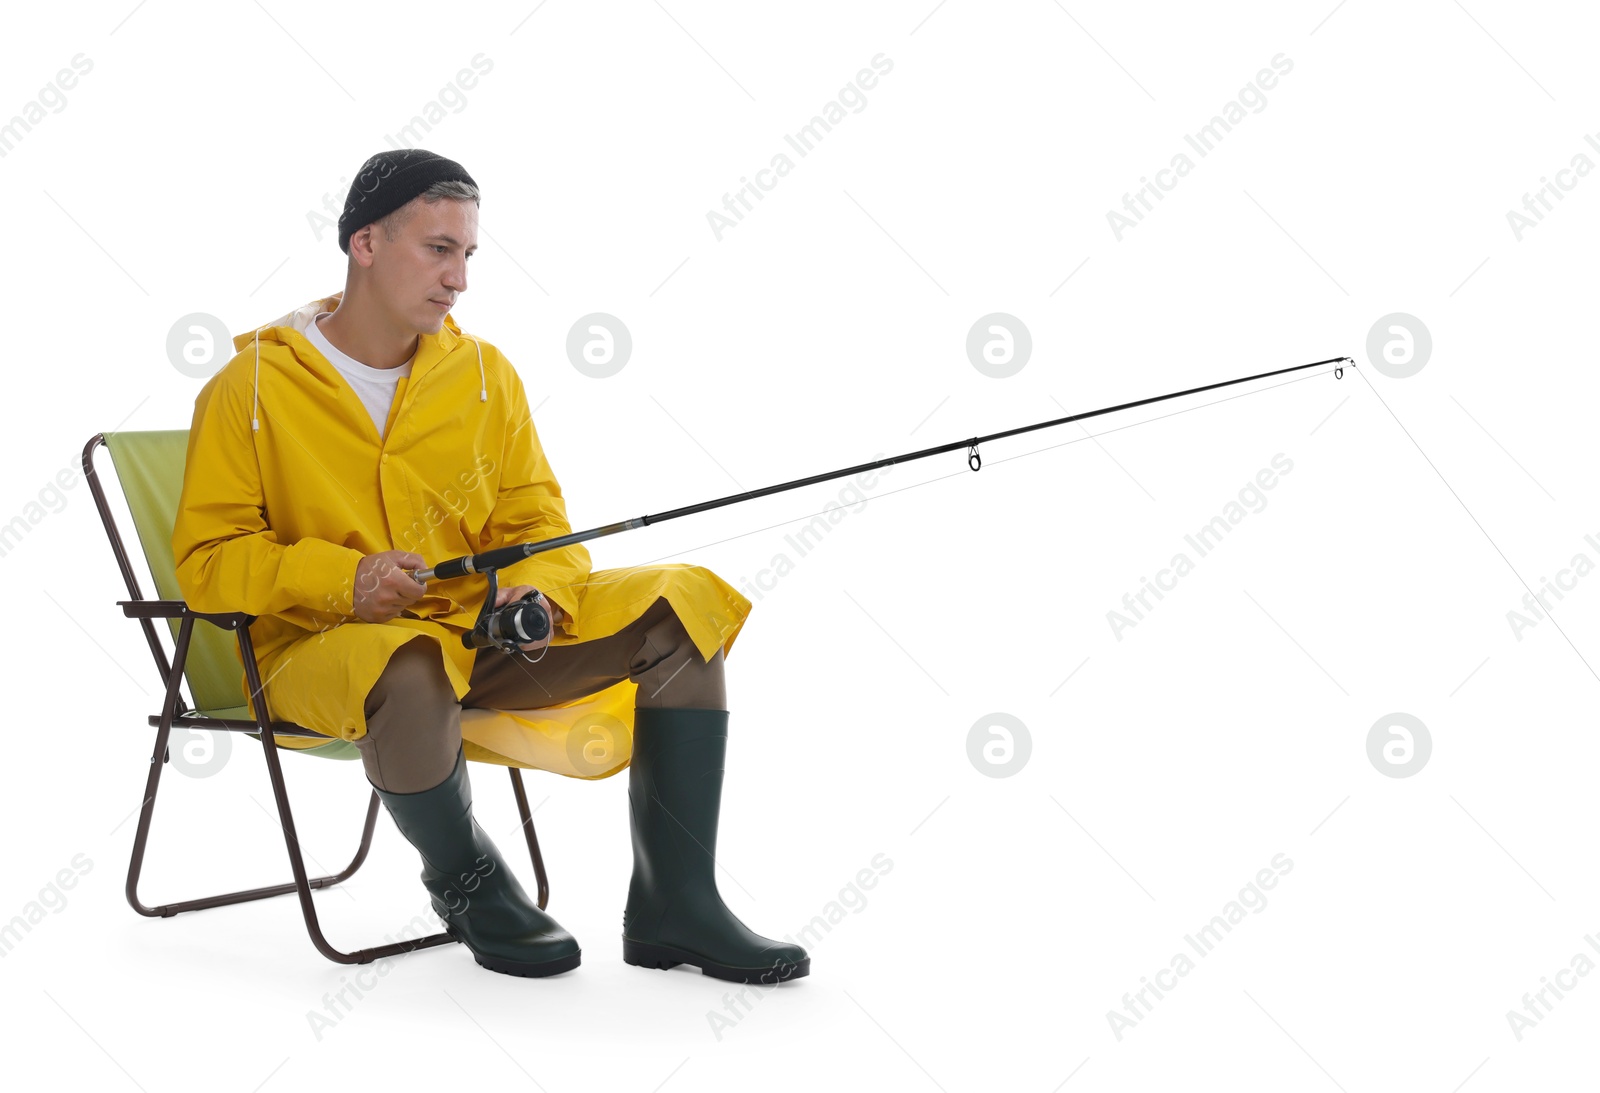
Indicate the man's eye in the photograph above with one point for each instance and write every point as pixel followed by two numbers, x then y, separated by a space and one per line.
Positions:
pixel 440 246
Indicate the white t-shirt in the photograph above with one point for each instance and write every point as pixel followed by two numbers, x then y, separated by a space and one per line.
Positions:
pixel 374 386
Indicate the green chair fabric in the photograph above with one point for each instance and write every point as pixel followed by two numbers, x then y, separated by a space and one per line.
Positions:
pixel 149 465
pixel 333 749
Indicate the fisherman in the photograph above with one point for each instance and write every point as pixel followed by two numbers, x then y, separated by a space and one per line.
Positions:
pixel 363 437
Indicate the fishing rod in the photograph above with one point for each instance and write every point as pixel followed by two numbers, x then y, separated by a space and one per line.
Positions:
pixel 503 556
pixel 526 620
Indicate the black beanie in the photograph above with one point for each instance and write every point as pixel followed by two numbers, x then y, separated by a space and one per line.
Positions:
pixel 389 180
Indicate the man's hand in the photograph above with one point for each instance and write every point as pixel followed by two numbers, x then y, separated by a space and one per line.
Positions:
pixel 383 590
pixel 557 616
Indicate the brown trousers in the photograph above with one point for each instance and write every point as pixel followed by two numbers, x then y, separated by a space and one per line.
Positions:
pixel 414 719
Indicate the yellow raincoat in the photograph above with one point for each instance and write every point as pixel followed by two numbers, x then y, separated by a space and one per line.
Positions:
pixel 273 519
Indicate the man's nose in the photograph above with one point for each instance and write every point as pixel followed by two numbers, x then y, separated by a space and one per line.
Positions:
pixel 456 276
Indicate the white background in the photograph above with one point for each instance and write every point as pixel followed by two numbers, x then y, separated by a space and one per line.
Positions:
pixel 1230 725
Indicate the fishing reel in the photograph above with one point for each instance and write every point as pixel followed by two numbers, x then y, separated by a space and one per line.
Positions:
pixel 510 627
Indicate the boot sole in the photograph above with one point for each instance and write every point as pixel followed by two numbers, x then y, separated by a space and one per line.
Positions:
pixel 517 967
pixel 642 954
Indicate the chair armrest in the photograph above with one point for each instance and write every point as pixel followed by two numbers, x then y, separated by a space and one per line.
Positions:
pixel 152 609
pixel 174 609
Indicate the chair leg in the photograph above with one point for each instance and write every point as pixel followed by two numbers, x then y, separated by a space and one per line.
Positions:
pixel 291 840
pixel 303 885
pixel 533 839
pixel 147 810
pixel 244 895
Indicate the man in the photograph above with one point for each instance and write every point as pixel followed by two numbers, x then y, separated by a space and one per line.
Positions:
pixel 363 437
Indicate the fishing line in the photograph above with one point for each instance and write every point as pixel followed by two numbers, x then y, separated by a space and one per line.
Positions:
pixel 1549 614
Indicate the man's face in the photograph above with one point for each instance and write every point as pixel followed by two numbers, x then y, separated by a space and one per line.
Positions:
pixel 426 265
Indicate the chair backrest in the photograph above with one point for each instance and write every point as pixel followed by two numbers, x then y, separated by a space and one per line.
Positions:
pixel 149 466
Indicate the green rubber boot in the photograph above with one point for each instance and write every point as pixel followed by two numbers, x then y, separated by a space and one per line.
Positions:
pixel 675 914
pixel 472 889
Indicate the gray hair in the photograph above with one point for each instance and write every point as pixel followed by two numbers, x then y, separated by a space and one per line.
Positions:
pixel 446 190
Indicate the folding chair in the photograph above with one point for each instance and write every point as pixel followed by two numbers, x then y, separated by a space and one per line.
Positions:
pixel 149 467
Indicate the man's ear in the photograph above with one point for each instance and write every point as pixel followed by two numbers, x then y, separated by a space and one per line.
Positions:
pixel 361 245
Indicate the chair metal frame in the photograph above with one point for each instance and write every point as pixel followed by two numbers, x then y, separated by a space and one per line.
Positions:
pixel 147 610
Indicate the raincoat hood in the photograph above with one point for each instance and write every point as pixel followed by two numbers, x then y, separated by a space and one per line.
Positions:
pixel 289 330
